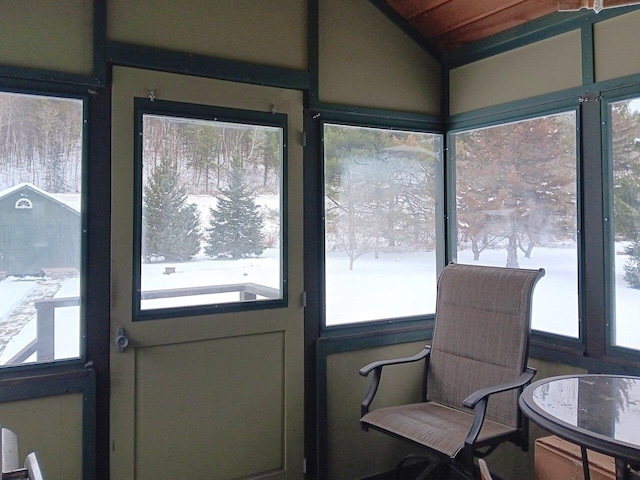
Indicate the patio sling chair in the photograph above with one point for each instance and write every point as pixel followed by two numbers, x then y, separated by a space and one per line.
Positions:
pixel 475 369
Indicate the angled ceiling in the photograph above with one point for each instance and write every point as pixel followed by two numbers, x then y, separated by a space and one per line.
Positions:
pixel 449 24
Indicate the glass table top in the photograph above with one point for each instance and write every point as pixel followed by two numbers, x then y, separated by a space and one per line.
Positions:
pixel 602 405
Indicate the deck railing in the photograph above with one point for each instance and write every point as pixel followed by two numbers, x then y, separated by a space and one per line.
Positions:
pixel 43 344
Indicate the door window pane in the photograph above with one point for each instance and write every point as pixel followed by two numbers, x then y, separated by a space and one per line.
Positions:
pixel 380 217
pixel 516 207
pixel 211 215
pixel 41 178
pixel 625 148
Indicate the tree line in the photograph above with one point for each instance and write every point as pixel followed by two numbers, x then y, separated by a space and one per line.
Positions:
pixel 233 163
pixel 41 142
pixel 516 186
pixel 625 143
pixel 379 190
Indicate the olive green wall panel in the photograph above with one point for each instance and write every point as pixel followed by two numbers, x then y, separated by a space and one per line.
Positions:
pixel 352 452
pixel 272 32
pixel 34 35
pixel 231 418
pixel 617 46
pixel 368 61
pixel 50 426
pixel 543 67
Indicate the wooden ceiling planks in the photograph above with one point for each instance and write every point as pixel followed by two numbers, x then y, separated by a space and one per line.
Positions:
pixel 449 24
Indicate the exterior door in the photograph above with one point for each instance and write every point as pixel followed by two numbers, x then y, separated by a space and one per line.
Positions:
pixel 205 395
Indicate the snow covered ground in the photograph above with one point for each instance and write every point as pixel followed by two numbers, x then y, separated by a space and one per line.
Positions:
pixel 18 328
pixel 395 285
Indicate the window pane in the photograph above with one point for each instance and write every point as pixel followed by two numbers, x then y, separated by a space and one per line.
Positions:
pixel 625 138
pixel 211 213
pixel 516 207
pixel 40 228
pixel 380 236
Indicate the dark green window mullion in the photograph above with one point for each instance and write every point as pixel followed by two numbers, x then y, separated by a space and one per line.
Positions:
pixel 449 182
pixel 608 222
pixel 593 328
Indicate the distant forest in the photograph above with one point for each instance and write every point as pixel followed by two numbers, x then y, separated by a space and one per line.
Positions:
pixel 380 190
pixel 204 154
pixel 41 142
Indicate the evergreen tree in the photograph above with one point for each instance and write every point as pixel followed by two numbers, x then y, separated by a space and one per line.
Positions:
pixel 632 266
pixel 626 170
pixel 235 229
pixel 171 224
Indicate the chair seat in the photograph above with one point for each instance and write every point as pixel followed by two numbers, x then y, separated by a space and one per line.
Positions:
pixel 436 426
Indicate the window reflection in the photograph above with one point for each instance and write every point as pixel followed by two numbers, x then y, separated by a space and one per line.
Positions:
pixel 625 242
pixel 380 217
pixel 516 206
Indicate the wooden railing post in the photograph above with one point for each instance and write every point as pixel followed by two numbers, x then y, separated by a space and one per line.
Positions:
pixel 246 296
pixel 46 330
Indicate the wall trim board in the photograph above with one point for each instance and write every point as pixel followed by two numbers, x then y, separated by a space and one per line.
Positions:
pixel 379 117
pixel 49 76
pixel 588 54
pixel 78 381
pixel 100 41
pixel 313 53
pixel 508 112
pixel 137 56
pixel 609 365
pixel 539 29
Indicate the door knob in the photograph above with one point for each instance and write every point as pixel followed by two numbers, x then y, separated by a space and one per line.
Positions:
pixel 121 340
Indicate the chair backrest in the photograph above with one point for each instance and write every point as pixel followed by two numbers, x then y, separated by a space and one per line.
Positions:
pixel 481 335
pixel 9 450
pixel 33 467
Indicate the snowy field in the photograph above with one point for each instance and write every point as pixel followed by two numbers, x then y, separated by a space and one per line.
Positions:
pixel 395 285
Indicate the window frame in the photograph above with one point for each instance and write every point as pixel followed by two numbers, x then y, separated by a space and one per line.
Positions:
pixel 363 120
pixel 506 114
pixel 71 92
pixel 621 94
pixel 143 106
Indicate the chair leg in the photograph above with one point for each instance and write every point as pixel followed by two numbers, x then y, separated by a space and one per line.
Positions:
pixel 427 471
pixel 415 457
pixel 432 463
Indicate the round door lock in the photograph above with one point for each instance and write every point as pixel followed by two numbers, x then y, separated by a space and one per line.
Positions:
pixel 121 340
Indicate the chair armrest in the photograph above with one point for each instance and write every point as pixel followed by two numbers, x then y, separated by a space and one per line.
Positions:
pixel 376 367
pixel 479 399
pixel 472 400
pixel 364 371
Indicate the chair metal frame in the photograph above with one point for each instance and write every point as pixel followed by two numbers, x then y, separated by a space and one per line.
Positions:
pixel 476 401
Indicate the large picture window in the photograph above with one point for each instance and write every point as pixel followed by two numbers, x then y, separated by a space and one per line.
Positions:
pixel 211 214
pixel 380 223
pixel 516 206
pixel 625 241
pixel 41 239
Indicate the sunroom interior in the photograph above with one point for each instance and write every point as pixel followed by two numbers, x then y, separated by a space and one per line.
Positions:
pixel 383 139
